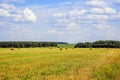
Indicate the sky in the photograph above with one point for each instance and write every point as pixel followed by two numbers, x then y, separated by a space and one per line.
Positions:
pixel 70 21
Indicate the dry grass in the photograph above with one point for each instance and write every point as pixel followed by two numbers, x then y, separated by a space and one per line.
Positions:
pixel 54 64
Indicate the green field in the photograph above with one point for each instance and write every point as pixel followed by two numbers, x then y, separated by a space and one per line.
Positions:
pixel 56 64
pixel 66 45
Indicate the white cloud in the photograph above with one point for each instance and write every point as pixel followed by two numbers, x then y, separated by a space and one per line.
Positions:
pixel 103 27
pixel 110 10
pixel 73 12
pixel 97 10
pixel 97 17
pixel 64 20
pixel 29 15
pixel 105 30
pixel 105 10
pixel 26 15
pixel 4 13
pixel 7 6
pixel 96 3
pixel 115 16
pixel 13 13
pixel 72 26
pixel 59 14
pixel 67 23
pixel 93 14
pixel 70 21
pixel 52 31
pixel 77 12
pixel 93 17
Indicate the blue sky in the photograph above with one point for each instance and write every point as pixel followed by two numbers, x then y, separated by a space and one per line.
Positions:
pixel 59 20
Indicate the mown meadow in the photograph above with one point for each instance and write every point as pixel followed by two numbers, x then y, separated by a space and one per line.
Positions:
pixel 56 64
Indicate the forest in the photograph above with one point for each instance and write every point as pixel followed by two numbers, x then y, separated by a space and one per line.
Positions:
pixel 27 44
pixel 30 44
pixel 99 44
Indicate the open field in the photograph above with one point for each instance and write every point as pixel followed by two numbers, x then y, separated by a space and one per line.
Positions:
pixel 55 64
pixel 66 45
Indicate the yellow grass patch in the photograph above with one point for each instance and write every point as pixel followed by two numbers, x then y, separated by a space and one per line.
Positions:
pixel 54 64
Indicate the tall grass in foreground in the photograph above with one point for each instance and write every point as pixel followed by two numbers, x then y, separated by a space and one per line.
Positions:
pixel 55 64
pixel 109 71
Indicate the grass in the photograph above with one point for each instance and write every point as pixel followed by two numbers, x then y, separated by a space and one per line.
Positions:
pixel 55 64
pixel 110 70
pixel 66 45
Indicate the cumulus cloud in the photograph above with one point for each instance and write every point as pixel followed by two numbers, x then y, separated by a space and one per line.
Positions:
pixel 94 18
pixel 4 13
pixel 29 15
pixel 103 27
pixel 72 26
pixel 68 18
pixel 13 13
pixel 100 10
pixel 96 3
pixel 82 15
pixel 115 16
pixel 7 6
pixel 105 30
pixel 105 10
pixel 59 14
pixel 52 31
pixel 77 12
pixel 26 16
pixel 110 10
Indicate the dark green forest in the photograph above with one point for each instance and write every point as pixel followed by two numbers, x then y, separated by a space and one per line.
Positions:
pixel 30 44
pixel 99 44
pixel 27 44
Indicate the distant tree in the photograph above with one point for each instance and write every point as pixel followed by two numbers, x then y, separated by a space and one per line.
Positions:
pixel 27 44
pixel 99 44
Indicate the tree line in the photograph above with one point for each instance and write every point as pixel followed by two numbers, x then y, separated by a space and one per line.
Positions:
pixel 99 44
pixel 27 44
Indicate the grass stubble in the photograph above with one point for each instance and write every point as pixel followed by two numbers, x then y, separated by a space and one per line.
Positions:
pixel 55 64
